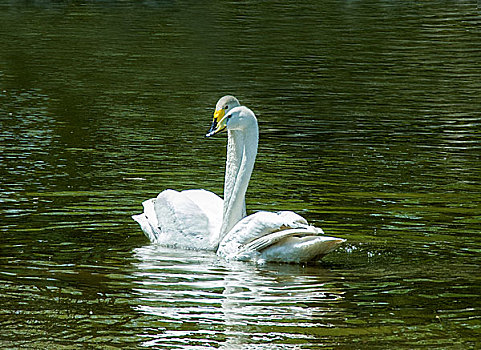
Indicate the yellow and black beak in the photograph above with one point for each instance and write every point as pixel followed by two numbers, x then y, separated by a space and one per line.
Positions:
pixel 219 123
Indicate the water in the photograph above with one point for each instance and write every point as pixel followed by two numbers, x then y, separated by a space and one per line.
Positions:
pixel 369 117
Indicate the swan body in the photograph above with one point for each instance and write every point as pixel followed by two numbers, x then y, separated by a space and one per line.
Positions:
pixel 281 237
pixel 182 219
pixel 199 219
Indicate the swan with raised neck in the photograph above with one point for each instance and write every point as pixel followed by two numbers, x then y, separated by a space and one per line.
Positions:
pixel 243 137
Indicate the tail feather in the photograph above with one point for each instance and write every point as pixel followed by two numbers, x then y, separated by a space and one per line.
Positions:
pixel 145 225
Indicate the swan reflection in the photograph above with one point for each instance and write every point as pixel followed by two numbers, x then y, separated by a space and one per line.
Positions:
pixel 199 298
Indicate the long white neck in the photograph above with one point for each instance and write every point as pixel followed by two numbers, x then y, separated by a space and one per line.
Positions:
pixel 241 156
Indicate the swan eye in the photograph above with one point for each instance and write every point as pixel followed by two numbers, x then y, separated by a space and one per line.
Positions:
pixel 226 107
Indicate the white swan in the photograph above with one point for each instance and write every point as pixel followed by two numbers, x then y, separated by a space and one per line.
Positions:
pixel 199 219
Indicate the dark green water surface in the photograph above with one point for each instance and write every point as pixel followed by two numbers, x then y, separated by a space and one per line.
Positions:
pixel 370 127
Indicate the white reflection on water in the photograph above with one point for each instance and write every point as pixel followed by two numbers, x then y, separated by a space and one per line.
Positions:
pixel 199 299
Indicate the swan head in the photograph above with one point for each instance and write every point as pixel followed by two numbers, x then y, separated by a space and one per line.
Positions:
pixel 221 114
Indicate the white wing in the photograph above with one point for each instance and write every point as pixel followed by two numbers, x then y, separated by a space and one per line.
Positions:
pixel 189 219
pixel 283 237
